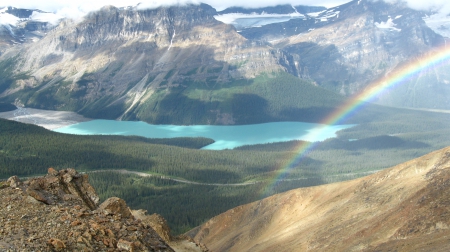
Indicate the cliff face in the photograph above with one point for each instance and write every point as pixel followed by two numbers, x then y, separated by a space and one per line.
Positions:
pixel 404 208
pixel 60 212
pixel 118 58
pixel 355 44
pixel 347 47
pixel 130 63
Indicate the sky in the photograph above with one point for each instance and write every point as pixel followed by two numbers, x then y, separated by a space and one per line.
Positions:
pixel 74 9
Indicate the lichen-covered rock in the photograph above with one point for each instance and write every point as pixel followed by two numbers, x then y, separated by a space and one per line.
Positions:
pixel 14 181
pixel 156 221
pixel 63 185
pixel 115 206
pixel 56 244
pixel 125 245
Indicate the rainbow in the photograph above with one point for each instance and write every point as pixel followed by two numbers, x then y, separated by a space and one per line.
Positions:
pixel 425 63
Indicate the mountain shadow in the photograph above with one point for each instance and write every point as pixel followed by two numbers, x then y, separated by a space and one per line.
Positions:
pixel 250 108
pixel 311 114
pixel 4 107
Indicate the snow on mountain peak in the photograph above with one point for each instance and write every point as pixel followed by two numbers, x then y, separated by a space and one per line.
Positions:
pixel 389 24
pixel 46 17
pixel 7 19
pixel 439 23
pixel 242 20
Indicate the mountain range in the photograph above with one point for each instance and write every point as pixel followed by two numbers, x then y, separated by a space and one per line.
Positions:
pixel 181 65
pixel 190 64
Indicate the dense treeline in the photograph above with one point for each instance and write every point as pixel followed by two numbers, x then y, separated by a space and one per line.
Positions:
pixel 267 98
pixel 358 151
pixel 186 206
pixel 28 149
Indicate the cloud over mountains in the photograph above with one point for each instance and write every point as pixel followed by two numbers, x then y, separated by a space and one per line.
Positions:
pixel 79 8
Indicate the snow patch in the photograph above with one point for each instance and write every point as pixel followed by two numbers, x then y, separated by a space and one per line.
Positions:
pixel 331 14
pixel 8 19
pixel 325 15
pixel 241 20
pixel 389 24
pixel 316 14
pixel 439 23
pixel 50 18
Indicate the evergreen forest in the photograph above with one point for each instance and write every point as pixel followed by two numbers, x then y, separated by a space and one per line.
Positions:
pixel 188 185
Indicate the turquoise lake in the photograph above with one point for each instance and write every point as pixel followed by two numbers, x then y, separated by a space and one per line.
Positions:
pixel 225 137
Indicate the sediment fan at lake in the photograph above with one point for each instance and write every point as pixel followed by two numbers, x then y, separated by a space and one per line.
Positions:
pixel 49 119
pixel 404 208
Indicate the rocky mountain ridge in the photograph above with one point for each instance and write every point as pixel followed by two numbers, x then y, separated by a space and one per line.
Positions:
pixel 404 208
pixel 61 212
pixel 347 47
pixel 121 57
pixel 133 64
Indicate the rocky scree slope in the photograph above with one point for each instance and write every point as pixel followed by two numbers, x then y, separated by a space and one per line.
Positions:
pixel 60 212
pixel 404 208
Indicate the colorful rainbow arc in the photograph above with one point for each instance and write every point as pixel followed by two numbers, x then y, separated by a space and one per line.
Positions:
pixel 352 105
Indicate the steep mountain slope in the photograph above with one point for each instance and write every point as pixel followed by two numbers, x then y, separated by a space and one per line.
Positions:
pixel 179 65
pixel 404 208
pixel 347 47
pixel 117 62
pixel 360 42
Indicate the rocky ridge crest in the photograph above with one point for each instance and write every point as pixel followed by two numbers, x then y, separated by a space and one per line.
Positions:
pixel 60 212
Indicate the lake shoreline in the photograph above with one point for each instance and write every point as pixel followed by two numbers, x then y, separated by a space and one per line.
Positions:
pixel 49 119
pixel 225 136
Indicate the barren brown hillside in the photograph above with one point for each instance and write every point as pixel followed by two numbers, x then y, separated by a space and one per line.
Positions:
pixel 404 208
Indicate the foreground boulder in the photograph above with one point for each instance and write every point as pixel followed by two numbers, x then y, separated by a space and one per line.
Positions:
pixel 159 224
